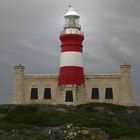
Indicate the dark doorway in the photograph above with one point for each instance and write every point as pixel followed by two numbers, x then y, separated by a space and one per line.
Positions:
pixel 34 93
pixel 69 96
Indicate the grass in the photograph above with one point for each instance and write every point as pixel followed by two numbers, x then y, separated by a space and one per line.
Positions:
pixel 117 123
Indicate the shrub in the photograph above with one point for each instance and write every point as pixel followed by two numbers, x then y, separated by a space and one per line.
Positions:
pixel 26 108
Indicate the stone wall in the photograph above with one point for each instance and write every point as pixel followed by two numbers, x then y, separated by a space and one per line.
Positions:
pixel 102 82
pixel 120 84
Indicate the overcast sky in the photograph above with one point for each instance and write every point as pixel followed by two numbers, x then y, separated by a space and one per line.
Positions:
pixel 30 29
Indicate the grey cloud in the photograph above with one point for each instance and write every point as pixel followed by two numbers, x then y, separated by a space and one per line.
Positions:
pixel 29 34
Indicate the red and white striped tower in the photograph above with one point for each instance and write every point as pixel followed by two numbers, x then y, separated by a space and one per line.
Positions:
pixel 71 63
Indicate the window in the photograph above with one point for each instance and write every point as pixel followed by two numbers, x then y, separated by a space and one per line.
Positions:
pixel 72 21
pixel 69 96
pixel 95 93
pixel 109 93
pixel 47 93
pixel 34 93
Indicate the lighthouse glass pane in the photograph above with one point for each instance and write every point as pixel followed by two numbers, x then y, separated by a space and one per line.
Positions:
pixel 77 21
pixel 71 22
pixel 47 93
pixel 34 93
pixel 69 96
pixel 95 93
pixel 109 93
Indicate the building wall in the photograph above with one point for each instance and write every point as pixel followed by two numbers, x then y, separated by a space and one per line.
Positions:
pixel 102 82
pixel 120 84
pixel 41 82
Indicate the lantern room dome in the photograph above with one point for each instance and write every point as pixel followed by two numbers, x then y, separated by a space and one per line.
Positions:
pixel 71 12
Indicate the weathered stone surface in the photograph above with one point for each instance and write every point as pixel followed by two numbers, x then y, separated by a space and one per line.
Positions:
pixel 54 133
pixel 85 132
pixel 131 111
pixel 99 109
pixel 69 125
pixel 120 83
pixel 93 137
pixel 72 132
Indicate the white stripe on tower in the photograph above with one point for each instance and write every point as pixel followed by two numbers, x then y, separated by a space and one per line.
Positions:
pixel 71 58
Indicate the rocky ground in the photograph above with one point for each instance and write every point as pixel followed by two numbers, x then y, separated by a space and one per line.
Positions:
pixel 84 122
pixel 61 132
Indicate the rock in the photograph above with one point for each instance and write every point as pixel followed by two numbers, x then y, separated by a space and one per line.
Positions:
pixel 103 137
pixel 69 126
pixel 93 137
pixel 85 132
pixel 71 134
pixel 79 131
pixel 13 130
pixel 75 134
pixel 99 109
pixel 110 113
pixel 50 132
pixel 1 131
pixel 68 131
pixel 131 111
pixel 61 109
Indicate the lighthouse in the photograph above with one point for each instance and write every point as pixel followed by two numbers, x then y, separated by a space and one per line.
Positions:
pixel 71 70
pixel 72 86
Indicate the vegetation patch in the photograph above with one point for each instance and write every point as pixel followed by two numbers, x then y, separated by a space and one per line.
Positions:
pixel 115 120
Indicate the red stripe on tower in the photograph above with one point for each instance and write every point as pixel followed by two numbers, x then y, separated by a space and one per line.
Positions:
pixel 71 75
pixel 71 63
